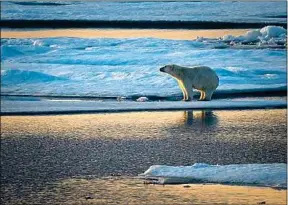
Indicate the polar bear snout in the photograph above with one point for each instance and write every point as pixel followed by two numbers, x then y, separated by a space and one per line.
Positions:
pixel 166 69
pixel 162 69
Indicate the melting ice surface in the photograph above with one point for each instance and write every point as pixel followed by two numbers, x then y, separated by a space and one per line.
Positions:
pixel 272 175
pixel 185 11
pixel 126 67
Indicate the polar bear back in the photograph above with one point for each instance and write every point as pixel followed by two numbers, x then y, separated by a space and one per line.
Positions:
pixel 203 77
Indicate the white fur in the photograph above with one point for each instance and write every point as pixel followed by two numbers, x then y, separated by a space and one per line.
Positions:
pixel 201 78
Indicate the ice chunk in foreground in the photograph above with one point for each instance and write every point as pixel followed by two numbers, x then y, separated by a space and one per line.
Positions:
pixel 272 175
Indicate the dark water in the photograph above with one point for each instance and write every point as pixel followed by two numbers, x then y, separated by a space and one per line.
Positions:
pixel 128 24
pixel 39 151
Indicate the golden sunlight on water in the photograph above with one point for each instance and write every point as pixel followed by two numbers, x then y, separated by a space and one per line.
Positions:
pixel 143 124
pixel 65 158
pixel 132 191
pixel 120 190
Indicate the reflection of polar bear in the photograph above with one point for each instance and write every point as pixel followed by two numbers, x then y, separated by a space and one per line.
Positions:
pixel 201 78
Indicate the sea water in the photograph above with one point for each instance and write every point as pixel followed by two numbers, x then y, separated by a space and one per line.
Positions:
pixel 166 11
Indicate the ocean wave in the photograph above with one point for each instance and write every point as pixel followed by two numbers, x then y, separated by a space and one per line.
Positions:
pixel 10 52
pixel 271 175
pixel 14 48
pixel 16 77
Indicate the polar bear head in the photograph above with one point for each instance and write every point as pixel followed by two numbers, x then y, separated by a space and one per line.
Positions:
pixel 172 70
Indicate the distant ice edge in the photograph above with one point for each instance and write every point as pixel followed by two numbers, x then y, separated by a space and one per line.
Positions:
pixel 264 175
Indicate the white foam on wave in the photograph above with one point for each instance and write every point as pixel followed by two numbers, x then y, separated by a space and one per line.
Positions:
pixel 272 175
pixel 270 76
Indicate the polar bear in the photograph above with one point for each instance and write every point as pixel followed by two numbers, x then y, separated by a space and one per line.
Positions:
pixel 201 78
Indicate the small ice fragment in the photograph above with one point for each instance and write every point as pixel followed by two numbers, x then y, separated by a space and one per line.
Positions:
pixel 199 39
pixel 142 99
pixel 37 43
pixel 54 46
pixel 88 49
pixel 120 98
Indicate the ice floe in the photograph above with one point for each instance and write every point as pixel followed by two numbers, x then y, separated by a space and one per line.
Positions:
pixel 272 175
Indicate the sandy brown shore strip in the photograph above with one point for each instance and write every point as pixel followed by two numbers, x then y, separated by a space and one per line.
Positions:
pixel 122 33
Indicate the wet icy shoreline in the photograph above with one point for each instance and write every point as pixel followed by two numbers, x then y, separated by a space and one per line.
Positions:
pixel 52 107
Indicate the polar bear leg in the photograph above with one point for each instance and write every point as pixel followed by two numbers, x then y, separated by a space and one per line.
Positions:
pixel 190 94
pixel 202 95
pixel 208 95
pixel 189 90
pixel 182 87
